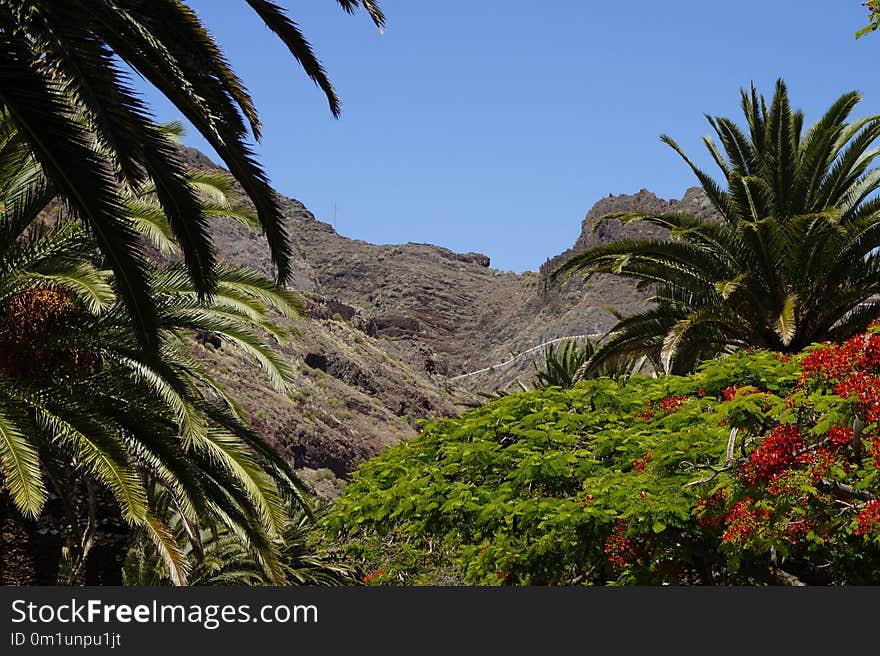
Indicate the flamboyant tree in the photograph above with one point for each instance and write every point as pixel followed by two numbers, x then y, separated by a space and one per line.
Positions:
pixel 761 468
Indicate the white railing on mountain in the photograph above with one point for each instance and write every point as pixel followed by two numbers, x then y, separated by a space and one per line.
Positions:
pixel 516 357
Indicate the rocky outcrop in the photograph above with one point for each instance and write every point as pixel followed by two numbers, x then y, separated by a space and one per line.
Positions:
pixel 474 258
pixel 391 324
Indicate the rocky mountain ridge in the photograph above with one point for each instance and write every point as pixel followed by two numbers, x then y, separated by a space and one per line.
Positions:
pixel 393 327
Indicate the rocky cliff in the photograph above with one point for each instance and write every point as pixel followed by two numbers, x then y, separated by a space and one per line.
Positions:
pixel 392 328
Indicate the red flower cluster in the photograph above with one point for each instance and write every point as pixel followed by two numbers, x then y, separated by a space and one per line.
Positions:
pixel 621 550
pixel 743 520
pixel 673 403
pixel 868 518
pixel 866 388
pixel 820 463
pixel 729 393
pixel 831 362
pixel 648 412
pixel 875 450
pixel 782 484
pixel 776 454
pixel 709 511
pixel 796 531
pixel 369 577
pixel 667 404
pixel 786 465
pixel 840 437
pixel 639 464
pixel 837 363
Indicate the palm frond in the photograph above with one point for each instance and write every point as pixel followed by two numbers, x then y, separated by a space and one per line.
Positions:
pixel 792 259
pixel 19 461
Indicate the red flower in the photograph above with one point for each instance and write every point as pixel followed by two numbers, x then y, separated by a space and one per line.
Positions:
pixel 639 464
pixel 840 437
pixel 673 403
pixel 865 388
pixel 868 518
pixel 369 577
pixel 709 511
pixel 796 531
pixel 776 454
pixel 875 451
pixel 743 520
pixel 621 550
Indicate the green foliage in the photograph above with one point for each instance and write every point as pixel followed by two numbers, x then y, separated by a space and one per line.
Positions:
pixel 873 19
pixel 565 363
pixel 561 363
pixel 66 88
pixel 219 557
pixel 790 258
pixel 607 483
pixel 85 410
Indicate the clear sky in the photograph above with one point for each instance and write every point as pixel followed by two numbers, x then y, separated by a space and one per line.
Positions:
pixel 494 126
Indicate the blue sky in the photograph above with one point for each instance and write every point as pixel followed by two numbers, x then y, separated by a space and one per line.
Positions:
pixel 494 126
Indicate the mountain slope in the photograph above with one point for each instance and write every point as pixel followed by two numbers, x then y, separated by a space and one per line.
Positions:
pixel 393 327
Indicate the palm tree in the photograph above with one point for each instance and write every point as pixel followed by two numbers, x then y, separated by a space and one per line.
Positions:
pixel 64 90
pixel 218 557
pixel 790 258
pixel 86 414
pixel 565 364
pixel 561 362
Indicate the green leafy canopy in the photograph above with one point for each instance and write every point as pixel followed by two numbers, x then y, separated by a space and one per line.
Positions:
pixel 645 481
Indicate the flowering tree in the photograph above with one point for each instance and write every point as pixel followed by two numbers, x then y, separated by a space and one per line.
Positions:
pixel 761 468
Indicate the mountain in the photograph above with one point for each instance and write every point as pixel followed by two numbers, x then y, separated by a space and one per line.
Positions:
pixel 395 331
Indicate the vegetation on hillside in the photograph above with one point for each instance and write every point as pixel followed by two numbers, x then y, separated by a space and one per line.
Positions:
pixel 760 468
pixel 561 362
pixel 564 364
pixel 753 458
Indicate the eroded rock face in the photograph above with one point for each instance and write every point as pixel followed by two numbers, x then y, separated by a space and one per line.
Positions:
pixel 595 231
pixel 341 455
pixel 474 258
pixel 342 369
pixel 390 324
pixel 319 307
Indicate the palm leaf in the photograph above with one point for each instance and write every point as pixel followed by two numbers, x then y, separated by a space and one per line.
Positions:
pixel 170 551
pixel 786 323
pixel 20 464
